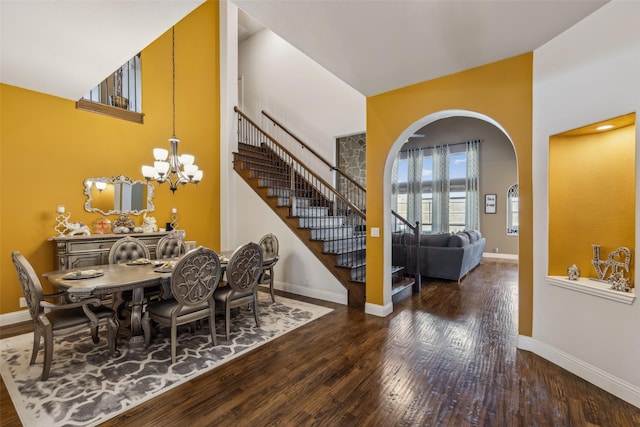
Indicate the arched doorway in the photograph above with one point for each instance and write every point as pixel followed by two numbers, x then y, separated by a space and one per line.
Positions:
pixel 453 126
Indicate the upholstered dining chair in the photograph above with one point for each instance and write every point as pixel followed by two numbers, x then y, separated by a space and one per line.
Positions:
pixel 128 249
pixel 243 272
pixel 170 246
pixel 269 244
pixel 193 282
pixel 125 250
pixel 60 319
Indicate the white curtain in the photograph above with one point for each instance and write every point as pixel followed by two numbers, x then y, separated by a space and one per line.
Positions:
pixel 441 187
pixel 472 210
pixel 414 191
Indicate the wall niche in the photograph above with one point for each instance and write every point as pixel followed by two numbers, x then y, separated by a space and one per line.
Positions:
pixel 592 194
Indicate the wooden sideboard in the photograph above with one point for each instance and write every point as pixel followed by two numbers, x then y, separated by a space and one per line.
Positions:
pixel 86 251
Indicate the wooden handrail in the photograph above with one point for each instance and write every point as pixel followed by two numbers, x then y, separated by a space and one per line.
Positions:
pixel 325 183
pixel 404 221
pixel 305 146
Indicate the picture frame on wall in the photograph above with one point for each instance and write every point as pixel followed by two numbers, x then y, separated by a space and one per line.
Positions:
pixel 490 202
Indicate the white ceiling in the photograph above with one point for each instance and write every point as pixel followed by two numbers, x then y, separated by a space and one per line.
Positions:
pixel 380 45
pixel 64 48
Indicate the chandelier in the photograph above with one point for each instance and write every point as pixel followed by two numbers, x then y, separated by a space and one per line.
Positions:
pixel 168 165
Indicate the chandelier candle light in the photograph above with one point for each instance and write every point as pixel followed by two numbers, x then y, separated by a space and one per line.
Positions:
pixel 176 169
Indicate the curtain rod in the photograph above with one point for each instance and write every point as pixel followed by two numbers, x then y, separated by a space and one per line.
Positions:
pixel 443 145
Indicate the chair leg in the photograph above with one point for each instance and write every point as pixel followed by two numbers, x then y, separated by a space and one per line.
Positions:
pixel 273 297
pixel 212 325
pixel 36 346
pixel 48 352
pixel 255 308
pixel 174 338
pixel 94 334
pixel 227 319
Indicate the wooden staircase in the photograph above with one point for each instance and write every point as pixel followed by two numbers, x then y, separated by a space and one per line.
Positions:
pixel 332 233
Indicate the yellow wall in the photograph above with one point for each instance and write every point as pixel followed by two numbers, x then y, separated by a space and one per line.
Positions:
pixel 594 176
pixel 48 148
pixel 501 91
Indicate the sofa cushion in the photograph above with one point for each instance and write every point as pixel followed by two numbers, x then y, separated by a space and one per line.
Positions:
pixel 459 240
pixel 471 235
pixel 434 239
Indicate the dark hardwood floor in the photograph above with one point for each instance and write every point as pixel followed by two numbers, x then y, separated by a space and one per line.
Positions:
pixel 446 357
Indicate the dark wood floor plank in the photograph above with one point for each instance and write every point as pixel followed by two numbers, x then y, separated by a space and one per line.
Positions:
pixel 446 357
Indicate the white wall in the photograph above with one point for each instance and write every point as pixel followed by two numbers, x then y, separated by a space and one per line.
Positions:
pixel 310 101
pixel 587 74
pixel 317 107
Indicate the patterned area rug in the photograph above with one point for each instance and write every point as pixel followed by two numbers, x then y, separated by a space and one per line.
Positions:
pixel 87 387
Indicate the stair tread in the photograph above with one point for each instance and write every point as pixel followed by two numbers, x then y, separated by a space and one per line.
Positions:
pixel 402 285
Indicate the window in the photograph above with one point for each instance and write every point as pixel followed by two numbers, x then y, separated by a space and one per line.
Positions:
pixel 512 210
pixel 119 95
pixel 456 184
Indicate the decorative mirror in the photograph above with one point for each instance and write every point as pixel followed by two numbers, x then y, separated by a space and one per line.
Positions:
pixel 118 195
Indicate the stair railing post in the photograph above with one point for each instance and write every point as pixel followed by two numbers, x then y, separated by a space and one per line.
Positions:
pixel 417 284
pixel 292 186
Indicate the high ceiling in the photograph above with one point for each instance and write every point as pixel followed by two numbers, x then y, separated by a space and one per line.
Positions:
pixel 380 45
pixel 64 48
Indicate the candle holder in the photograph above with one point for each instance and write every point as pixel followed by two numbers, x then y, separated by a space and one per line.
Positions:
pixel 62 221
pixel 174 218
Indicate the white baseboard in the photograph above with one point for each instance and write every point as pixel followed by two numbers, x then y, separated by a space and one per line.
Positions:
pixel 312 293
pixel 499 256
pixel 14 317
pixel 618 387
pixel 378 310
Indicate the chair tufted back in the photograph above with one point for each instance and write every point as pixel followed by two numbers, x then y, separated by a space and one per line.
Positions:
pixel 127 249
pixel 269 244
pixel 170 246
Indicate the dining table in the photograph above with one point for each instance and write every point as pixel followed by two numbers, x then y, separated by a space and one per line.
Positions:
pixel 108 279
pixel 134 276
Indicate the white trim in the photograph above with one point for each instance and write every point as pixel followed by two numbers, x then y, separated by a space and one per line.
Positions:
pixel 15 317
pixel 596 376
pixel 311 292
pixel 592 287
pixel 525 343
pixel 499 255
pixel 378 310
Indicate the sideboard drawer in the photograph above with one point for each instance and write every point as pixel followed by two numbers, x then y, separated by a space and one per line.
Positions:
pixel 99 245
pixel 86 251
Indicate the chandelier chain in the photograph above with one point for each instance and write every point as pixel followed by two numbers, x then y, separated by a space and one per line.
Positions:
pixel 173 74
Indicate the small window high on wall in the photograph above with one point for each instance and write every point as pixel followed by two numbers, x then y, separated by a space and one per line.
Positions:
pixel 512 210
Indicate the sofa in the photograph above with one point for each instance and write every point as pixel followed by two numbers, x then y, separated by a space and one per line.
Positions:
pixel 447 256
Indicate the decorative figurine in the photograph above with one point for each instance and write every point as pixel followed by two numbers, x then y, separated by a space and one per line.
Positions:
pixel 149 224
pixel 74 228
pixel 618 261
pixel 123 224
pixel 573 272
